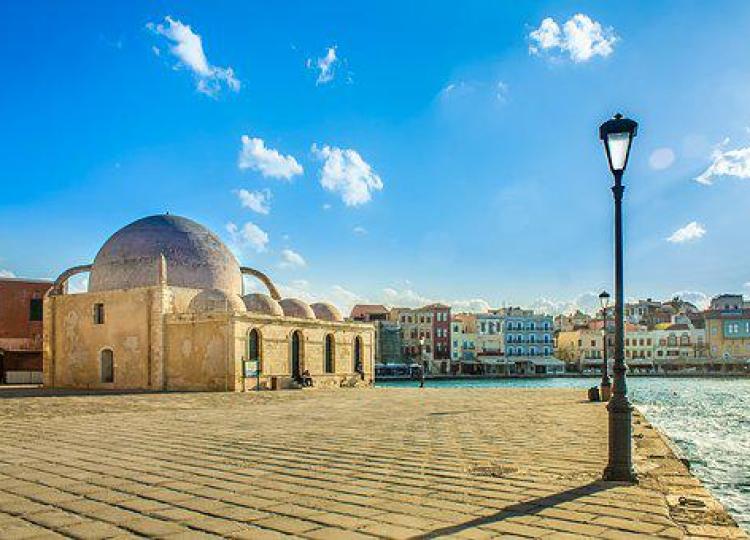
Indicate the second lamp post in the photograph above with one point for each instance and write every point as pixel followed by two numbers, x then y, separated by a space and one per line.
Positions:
pixel 605 388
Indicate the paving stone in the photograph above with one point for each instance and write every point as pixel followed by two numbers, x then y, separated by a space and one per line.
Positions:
pixel 390 463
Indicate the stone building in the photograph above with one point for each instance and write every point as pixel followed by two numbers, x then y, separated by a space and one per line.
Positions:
pixel 21 312
pixel 165 310
pixel 431 325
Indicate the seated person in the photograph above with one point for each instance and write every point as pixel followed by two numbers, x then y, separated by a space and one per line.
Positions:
pixel 306 378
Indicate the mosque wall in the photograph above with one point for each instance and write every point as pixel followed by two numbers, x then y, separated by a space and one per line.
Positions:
pixel 197 352
pixel 276 350
pixel 74 340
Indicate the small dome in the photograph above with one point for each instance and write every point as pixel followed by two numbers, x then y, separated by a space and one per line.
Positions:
pixel 296 308
pixel 326 312
pixel 196 258
pixel 262 303
pixel 215 300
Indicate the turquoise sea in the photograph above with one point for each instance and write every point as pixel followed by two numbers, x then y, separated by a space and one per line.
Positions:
pixel 707 418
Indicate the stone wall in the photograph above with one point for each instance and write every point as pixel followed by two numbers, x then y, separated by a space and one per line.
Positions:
pixel 73 343
pixel 276 338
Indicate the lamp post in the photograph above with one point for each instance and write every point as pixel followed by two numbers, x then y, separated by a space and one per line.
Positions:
pixel 421 363
pixel 617 135
pixel 606 384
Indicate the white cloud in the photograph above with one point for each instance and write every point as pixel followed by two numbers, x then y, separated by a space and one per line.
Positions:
pixel 257 201
pixel 727 163
pixel 587 302
pixel 6 274
pixel 359 230
pixel 471 305
pixel 326 206
pixel 325 65
pixel 455 92
pixel 700 299
pixel 580 37
pixel 691 231
pixel 661 158
pixel 250 235
pixel 345 299
pixel 346 173
pixel 404 298
pixel 291 259
pixel 270 163
pixel 187 46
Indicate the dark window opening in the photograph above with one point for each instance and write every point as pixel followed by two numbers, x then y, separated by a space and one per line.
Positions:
pixel 98 313
pixel 36 309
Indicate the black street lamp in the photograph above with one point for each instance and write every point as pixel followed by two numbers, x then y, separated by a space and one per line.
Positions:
pixel 617 135
pixel 606 384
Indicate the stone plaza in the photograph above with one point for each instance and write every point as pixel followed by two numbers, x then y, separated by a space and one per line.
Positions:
pixel 344 463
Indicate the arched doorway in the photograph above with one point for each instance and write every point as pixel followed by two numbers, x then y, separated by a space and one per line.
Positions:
pixel 296 353
pixel 358 365
pixel 253 348
pixel 329 351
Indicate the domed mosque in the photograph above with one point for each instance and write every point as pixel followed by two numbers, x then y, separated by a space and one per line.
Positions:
pixel 166 309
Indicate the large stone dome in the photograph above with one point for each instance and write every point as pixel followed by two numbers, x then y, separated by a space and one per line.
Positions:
pixel 195 257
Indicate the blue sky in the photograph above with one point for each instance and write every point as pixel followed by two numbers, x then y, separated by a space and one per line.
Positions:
pixel 395 152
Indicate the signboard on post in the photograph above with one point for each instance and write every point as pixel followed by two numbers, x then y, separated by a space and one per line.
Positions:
pixel 250 368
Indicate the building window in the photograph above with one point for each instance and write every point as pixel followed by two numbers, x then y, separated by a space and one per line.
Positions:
pixel 36 309
pixel 329 367
pixel 253 347
pixel 107 363
pixel 98 313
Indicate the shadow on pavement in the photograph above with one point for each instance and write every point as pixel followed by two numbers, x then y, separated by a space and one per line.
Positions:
pixel 526 508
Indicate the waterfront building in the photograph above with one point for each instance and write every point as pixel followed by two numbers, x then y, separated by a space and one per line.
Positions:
pixel 165 310
pixel 525 333
pixel 431 323
pixel 21 329
pixel 464 344
pixel 728 331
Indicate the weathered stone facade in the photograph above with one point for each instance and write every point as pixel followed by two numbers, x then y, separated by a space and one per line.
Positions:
pixel 171 337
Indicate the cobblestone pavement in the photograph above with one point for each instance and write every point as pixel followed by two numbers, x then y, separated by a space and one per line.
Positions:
pixel 389 463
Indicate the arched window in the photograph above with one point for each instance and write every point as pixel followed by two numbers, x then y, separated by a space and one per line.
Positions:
pixel 532 326
pixel 510 325
pixel 532 338
pixel 519 326
pixel 329 364
pixel 509 339
pixel 107 365
pixel 510 351
pixel 532 351
pixel 296 355
pixel 546 351
pixel 358 365
pixel 253 348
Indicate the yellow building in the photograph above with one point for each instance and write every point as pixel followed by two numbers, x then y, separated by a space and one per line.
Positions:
pixel 728 334
pixel 165 310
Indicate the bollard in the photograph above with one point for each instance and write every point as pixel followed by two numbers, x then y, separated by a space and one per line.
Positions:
pixel 594 393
